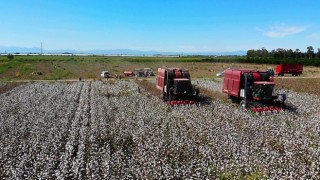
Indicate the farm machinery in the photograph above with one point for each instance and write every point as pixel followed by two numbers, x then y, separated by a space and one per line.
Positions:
pixel 145 72
pixel 293 69
pixel 175 86
pixel 148 72
pixel 253 89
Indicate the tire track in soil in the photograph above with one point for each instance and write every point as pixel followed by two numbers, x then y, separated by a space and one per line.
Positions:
pixel 84 121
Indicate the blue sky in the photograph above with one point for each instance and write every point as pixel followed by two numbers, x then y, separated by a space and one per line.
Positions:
pixel 161 25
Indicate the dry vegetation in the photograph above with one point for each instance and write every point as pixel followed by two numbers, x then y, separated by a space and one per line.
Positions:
pixel 306 85
pixel 149 86
pixel 213 94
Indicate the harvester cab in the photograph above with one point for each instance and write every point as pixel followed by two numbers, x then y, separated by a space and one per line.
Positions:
pixel 263 91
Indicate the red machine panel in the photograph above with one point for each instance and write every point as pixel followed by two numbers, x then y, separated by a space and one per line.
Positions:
pixel 161 78
pixel 231 82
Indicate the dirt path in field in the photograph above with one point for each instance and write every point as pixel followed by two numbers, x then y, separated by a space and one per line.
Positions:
pixel 295 82
pixel 76 80
pixel 295 77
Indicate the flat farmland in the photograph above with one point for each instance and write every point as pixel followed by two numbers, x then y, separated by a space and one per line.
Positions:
pixel 90 67
pixel 54 126
pixel 111 130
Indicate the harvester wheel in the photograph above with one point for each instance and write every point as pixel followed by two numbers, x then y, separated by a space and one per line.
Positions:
pixel 243 104
pixel 171 97
pixel 232 99
pixel 162 97
pixel 197 92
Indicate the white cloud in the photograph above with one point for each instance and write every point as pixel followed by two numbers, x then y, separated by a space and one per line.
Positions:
pixel 314 37
pixel 280 31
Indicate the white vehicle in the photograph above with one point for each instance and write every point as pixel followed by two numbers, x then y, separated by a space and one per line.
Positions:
pixel 105 74
pixel 220 74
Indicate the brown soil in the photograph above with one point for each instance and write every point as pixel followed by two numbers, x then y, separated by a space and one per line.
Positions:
pixel 9 86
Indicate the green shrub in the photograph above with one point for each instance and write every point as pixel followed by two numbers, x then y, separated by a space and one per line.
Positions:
pixel 10 56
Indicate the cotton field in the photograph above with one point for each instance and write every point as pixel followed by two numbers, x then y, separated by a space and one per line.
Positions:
pixel 113 130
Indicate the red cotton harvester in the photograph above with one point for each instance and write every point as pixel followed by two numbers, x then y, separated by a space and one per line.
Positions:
pixel 253 89
pixel 175 86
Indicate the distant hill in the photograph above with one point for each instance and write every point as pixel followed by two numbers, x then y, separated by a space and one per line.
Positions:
pixel 6 49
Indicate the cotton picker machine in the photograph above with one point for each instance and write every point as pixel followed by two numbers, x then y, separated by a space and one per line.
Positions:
pixel 253 89
pixel 175 86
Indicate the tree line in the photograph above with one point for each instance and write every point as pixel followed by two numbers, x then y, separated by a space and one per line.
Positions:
pixel 281 55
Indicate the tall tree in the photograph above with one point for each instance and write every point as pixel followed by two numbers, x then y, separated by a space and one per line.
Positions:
pixel 290 53
pixel 297 53
pixel 310 52
pixel 264 52
pixel 250 53
pixel 281 53
pixel 258 53
pixel 273 53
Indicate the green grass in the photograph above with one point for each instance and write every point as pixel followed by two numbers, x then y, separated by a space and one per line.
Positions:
pixel 59 74
pixel 6 65
pixel 118 58
pixel 58 58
